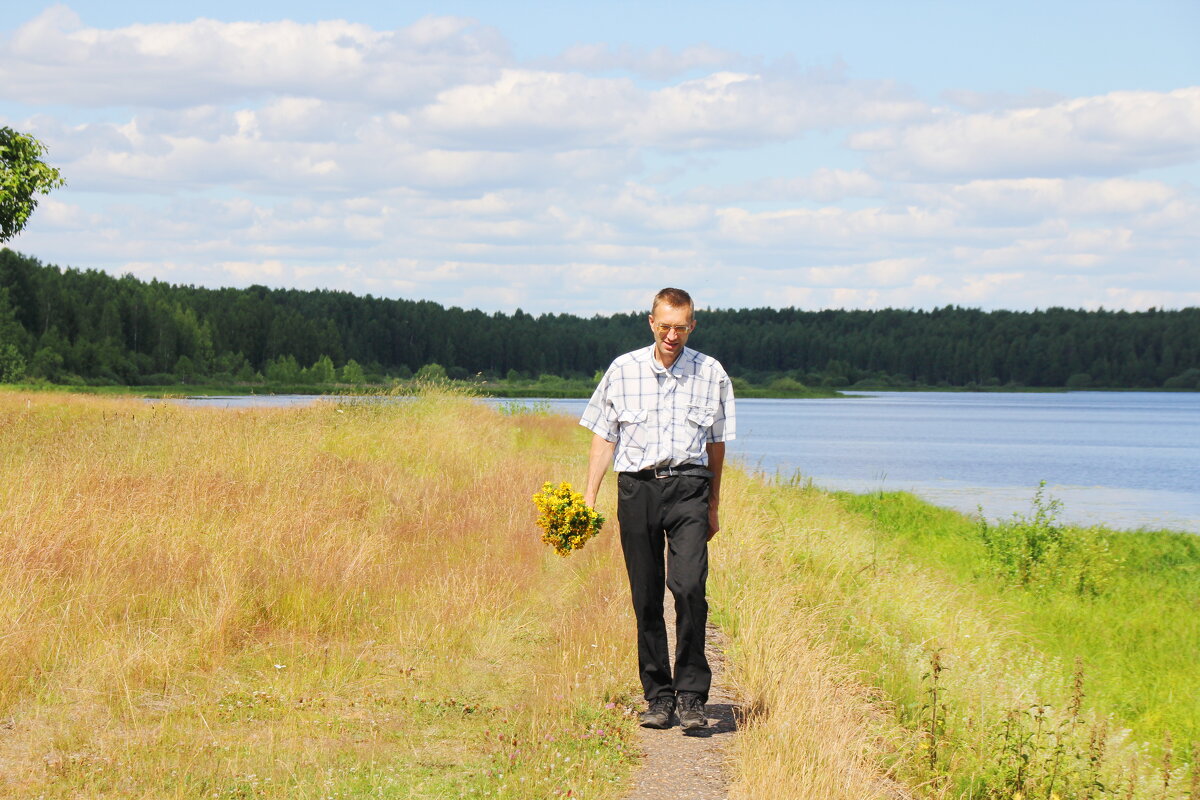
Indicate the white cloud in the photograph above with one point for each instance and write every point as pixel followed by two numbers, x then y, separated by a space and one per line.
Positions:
pixel 803 228
pixel 1111 134
pixel 527 108
pixel 55 58
pixel 429 162
pixel 994 101
pixel 731 109
pixel 1028 201
pixel 823 185
pixel 659 63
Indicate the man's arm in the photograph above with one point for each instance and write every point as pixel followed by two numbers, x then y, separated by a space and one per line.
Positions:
pixel 716 462
pixel 600 461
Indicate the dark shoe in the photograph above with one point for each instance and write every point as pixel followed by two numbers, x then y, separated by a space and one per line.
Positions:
pixel 658 715
pixel 691 712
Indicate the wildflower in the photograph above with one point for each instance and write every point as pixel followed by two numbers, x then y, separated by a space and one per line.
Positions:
pixel 566 521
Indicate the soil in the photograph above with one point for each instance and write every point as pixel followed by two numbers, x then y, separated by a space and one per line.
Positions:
pixel 691 766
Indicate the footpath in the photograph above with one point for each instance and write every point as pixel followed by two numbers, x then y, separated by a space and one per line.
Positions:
pixel 690 766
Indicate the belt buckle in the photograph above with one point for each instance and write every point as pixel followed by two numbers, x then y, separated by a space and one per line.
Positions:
pixel 665 472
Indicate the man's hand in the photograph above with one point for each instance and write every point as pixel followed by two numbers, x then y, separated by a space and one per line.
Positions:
pixel 714 524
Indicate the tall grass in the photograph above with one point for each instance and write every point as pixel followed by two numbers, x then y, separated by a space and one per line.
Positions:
pixel 335 601
pixel 856 645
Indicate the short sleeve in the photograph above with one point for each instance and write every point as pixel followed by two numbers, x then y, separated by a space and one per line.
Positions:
pixel 724 427
pixel 600 416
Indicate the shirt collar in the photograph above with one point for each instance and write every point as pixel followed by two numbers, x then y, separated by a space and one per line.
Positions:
pixel 676 370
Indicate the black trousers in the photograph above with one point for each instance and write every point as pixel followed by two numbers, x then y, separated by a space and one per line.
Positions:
pixel 670 513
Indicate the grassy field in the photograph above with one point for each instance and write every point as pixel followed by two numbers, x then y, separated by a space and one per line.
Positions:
pixel 336 601
pixel 350 600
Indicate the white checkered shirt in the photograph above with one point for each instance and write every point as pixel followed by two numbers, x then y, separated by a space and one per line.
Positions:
pixel 660 417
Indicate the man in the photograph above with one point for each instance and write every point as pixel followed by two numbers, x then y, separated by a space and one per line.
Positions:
pixel 661 416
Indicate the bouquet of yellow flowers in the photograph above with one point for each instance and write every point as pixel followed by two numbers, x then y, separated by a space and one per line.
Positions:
pixel 566 521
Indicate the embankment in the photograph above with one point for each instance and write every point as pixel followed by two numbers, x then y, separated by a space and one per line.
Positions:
pixel 351 601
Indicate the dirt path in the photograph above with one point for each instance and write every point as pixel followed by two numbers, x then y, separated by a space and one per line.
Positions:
pixel 691 766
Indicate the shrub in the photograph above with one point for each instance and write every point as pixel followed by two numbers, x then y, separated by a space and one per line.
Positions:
pixel 12 364
pixel 432 372
pixel 352 372
pixel 1038 553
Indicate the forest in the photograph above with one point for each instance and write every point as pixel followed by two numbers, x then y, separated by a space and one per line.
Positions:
pixel 86 327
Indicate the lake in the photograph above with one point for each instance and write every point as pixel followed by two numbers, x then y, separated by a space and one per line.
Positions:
pixel 1121 459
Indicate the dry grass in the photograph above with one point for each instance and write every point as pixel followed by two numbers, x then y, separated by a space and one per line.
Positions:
pixel 324 602
pixel 835 644
pixel 813 730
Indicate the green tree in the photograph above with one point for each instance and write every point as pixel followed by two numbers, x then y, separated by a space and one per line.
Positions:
pixel 50 356
pixel 432 372
pixel 12 364
pixel 185 370
pixel 284 370
pixel 13 341
pixel 23 175
pixel 322 370
pixel 352 372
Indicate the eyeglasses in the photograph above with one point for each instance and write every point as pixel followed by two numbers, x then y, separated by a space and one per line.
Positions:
pixel 681 330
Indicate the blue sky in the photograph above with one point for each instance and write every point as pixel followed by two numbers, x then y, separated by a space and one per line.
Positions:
pixel 564 157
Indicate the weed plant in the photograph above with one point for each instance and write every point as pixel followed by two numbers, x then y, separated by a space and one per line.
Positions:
pixel 1037 553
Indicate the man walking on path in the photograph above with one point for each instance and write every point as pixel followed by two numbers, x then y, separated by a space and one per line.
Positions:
pixel 661 416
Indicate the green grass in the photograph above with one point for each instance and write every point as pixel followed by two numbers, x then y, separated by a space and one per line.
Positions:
pixel 1138 638
pixel 963 672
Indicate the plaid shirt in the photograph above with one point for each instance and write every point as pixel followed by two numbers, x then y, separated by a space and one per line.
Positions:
pixel 661 417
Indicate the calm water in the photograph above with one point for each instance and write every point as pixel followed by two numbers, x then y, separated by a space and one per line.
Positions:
pixel 1123 459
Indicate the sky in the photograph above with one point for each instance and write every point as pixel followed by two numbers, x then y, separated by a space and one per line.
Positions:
pixel 575 158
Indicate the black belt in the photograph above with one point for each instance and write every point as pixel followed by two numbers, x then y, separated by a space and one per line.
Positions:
pixel 695 470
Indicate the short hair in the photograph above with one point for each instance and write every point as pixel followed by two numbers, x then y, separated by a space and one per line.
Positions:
pixel 676 298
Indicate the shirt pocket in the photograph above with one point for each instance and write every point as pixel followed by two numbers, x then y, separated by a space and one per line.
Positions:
pixel 699 420
pixel 633 432
pixel 702 416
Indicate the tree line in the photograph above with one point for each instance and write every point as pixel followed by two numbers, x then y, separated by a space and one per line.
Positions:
pixel 86 326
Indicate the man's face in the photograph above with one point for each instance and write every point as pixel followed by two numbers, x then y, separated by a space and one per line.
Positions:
pixel 669 340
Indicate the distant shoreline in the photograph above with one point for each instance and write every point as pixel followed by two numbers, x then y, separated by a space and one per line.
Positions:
pixel 529 391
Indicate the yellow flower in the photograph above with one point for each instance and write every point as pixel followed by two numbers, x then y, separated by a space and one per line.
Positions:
pixel 566 521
